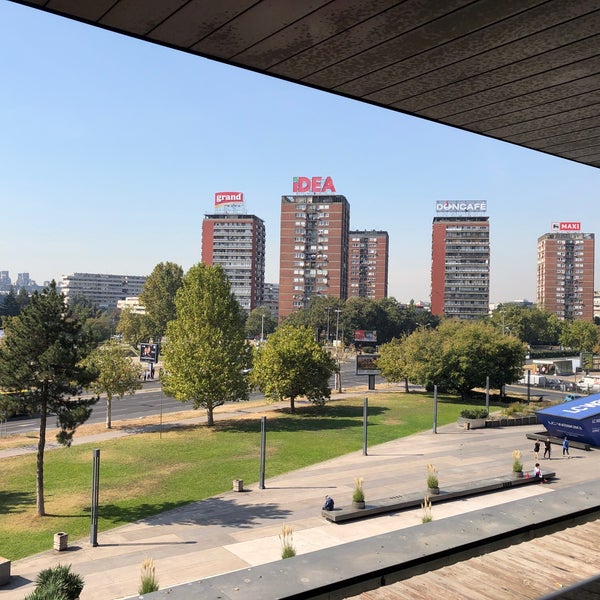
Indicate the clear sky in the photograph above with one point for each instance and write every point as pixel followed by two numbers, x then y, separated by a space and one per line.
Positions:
pixel 111 151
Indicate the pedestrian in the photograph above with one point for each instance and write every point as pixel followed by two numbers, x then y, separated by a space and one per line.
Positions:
pixel 565 447
pixel 547 448
pixel 328 503
pixel 537 473
pixel 536 450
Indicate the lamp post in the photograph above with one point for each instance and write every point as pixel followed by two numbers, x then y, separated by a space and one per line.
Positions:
pixel 328 309
pixel 338 375
pixel 262 327
pixel 337 323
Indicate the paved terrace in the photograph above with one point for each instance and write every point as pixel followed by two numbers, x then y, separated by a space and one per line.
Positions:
pixel 238 530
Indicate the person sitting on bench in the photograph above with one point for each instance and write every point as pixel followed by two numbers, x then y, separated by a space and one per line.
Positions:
pixel 328 503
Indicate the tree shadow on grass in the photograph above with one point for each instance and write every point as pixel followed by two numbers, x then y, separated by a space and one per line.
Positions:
pixel 219 511
pixel 310 418
pixel 15 502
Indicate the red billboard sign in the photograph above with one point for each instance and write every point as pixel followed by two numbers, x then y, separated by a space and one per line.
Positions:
pixel 228 198
pixel 566 226
pixel 313 185
pixel 360 335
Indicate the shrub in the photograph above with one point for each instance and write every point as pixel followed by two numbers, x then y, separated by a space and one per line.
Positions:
pixel 358 495
pixel 426 506
pixel 148 582
pixel 287 542
pixel 57 583
pixel 432 478
pixel 474 413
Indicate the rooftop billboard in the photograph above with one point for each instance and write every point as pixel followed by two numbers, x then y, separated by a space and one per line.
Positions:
pixel 444 206
pixel 566 226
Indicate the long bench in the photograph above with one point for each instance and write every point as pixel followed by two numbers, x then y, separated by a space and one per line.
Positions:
pixel 415 499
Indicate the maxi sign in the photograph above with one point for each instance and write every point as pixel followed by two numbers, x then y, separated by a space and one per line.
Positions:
pixel 313 185
pixel 461 206
pixel 566 226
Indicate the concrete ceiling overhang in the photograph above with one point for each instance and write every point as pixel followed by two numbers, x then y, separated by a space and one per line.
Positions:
pixel 522 71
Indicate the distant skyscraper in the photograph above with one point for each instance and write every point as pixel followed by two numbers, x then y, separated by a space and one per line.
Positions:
pixel 102 289
pixel 237 243
pixel 565 274
pixel 460 266
pixel 313 248
pixel 368 264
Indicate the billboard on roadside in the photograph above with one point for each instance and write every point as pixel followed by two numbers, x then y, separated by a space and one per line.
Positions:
pixel 362 335
pixel 149 352
pixel 366 364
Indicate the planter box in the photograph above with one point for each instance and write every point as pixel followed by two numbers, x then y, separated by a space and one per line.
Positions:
pixel 4 570
pixel 471 423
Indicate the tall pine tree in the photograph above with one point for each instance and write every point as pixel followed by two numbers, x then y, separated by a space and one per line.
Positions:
pixel 40 359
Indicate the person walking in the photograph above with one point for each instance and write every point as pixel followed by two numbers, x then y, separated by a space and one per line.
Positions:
pixel 565 447
pixel 536 450
pixel 548 448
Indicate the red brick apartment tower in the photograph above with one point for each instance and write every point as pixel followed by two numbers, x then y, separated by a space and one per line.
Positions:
pixel 460 267
pixel 565 274
pixel 237 243
pixel 368 256
pixel 313 256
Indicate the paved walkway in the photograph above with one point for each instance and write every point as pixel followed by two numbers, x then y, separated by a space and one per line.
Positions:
pixel 236 530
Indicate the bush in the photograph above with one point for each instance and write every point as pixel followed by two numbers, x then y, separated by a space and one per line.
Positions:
pixel 474 413
pixel 57 583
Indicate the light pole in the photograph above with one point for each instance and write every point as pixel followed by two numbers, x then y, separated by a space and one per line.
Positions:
pixel 337 349
pixel 262 327
pixel 328 309
pixel 337 323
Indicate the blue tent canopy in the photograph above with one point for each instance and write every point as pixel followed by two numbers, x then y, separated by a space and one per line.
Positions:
pixel 579 419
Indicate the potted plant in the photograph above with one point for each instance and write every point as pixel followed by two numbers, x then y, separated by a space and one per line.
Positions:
pixel 517 466
pixel 358 495
pixel 432 479
pixel 472 418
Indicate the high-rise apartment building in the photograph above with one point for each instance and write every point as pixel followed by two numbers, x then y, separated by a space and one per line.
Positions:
pixel 460 266
pixel 565 274
pixel 313 249
pixel 237 243
pixel 101 289
pixel 368 255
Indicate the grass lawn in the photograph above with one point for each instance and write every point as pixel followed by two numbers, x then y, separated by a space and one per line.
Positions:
pixel 145 474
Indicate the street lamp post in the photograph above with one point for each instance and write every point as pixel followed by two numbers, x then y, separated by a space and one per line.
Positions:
pixel 338 375
pixel 328 309
pixel 337 323
pixel 262 327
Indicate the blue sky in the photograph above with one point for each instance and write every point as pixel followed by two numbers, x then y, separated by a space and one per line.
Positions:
pixel 112 149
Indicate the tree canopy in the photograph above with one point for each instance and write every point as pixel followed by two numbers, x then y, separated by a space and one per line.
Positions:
pixel 41 358
pixel 205 355
pixel 158 297
pixel 115 373
pixel 293 364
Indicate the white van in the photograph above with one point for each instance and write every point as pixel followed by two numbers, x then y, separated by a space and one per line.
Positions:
pixel 589 384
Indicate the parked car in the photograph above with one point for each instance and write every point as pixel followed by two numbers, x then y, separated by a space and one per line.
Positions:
pixel 571 397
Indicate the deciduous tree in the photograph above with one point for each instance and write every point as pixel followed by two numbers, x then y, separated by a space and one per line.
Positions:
pixel 158 297
pixel 293 364
pixel 206 355
pixel 41 358
pixel 115 373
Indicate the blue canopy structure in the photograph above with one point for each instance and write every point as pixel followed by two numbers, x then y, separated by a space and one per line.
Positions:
pixel 579 419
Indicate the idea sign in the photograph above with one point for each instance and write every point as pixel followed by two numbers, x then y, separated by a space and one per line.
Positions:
pixel 313 185
pixel 228 198
pixel 566 226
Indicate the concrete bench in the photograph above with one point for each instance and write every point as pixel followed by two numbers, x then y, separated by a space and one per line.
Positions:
pixel 4 570
pixel 415 499
pixel 541 437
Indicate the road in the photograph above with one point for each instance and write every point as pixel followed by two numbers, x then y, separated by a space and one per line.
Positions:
pixel 150 400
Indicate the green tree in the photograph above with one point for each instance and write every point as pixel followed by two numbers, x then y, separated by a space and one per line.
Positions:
pixel 530 324
pixel 581 336
pixel 132 327
pixel 158 297
pixel 393 362
pixel 260 321
pixel 293 364
pixel 205 356
pixel 10 306
pixel 115 373
pixel 41 359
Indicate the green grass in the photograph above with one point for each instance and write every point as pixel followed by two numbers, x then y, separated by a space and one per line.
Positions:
pixel 144 474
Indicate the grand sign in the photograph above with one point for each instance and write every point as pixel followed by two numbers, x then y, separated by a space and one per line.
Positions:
pixel 461 206
pixel 566 226
pixel 313 185
pixel 229 198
